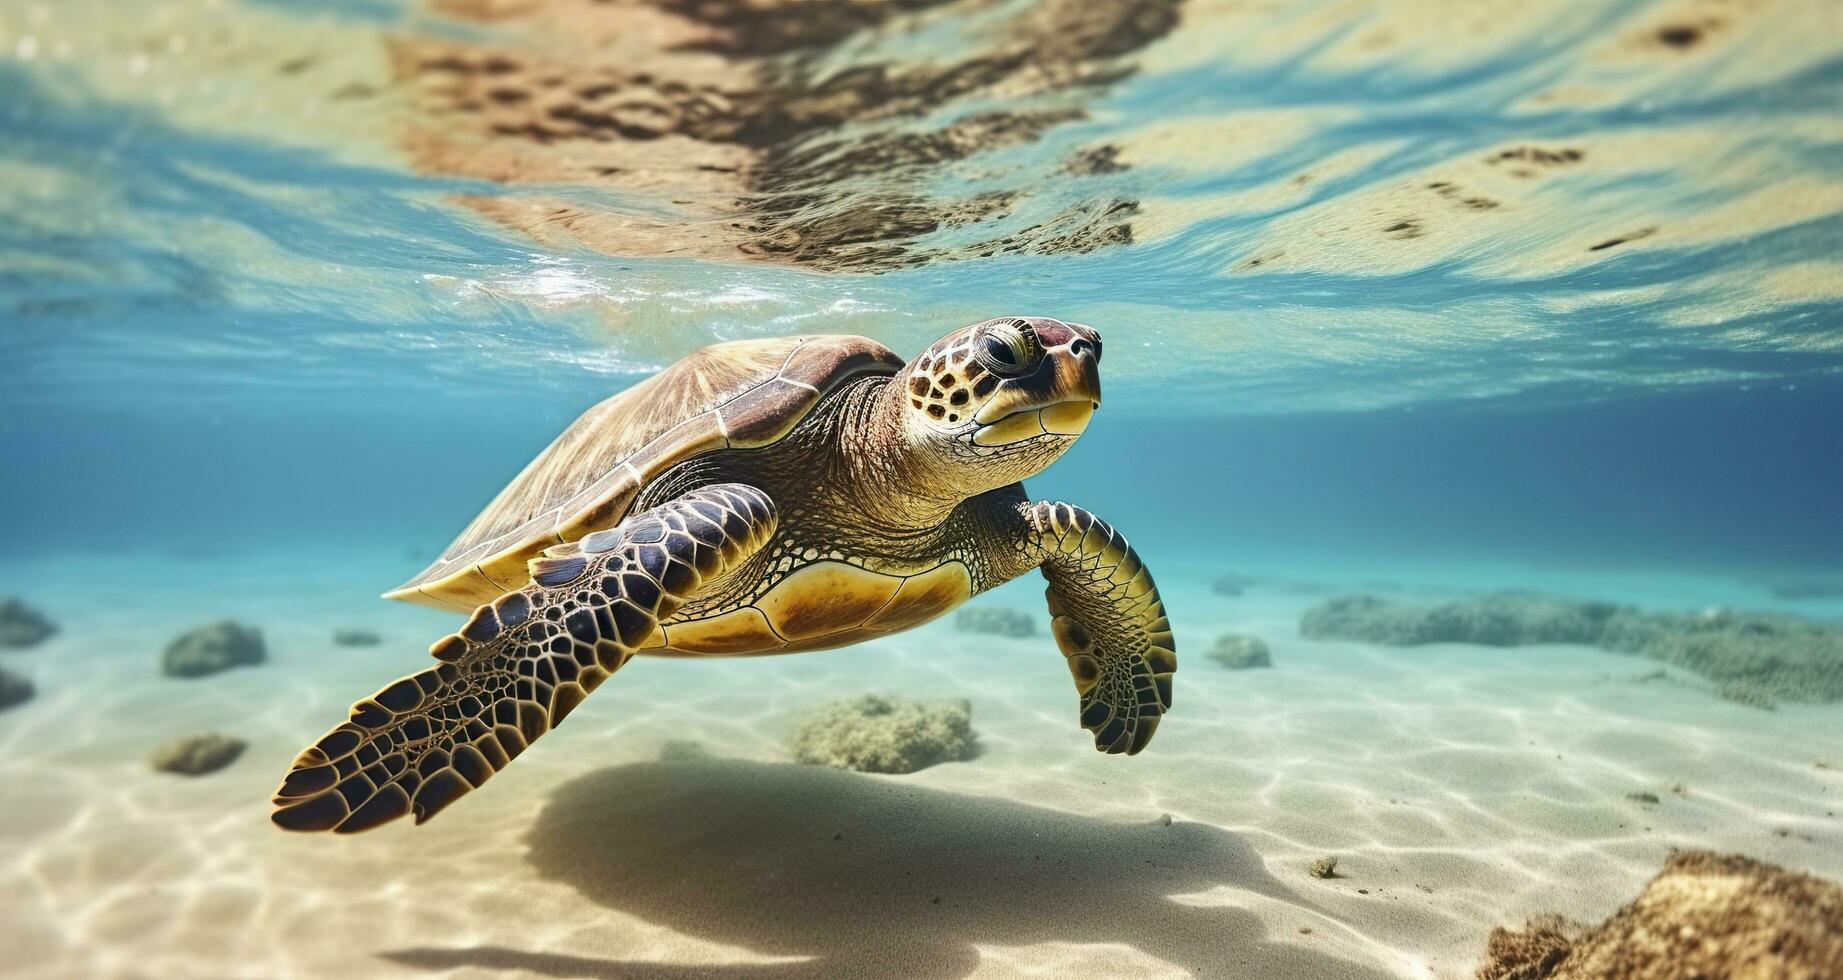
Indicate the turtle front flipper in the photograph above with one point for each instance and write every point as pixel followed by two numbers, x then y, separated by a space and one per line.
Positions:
pixel 1109 622
pixel 519 665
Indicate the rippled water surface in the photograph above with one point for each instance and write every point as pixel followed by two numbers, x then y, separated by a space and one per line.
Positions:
pixel 1319 205
pixel 1417 299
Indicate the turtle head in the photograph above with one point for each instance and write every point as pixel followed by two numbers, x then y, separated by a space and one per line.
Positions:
pixel 993 403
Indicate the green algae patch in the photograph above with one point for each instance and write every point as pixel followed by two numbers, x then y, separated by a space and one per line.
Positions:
pixel 872 733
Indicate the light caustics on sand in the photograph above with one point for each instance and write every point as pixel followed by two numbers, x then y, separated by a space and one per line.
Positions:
pixel 1461 787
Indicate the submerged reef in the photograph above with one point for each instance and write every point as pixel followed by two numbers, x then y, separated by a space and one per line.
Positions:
pixel 1817 587
pixel 209 649
pixel 14 689
pixel 873 733
pixel 1758 658
pixel 996 622
pixel 1240 651
pixel 1754 658
pixel 22 626
pixel 197 755
pixel 1501 620
pixel 1704 915
pixel 356 638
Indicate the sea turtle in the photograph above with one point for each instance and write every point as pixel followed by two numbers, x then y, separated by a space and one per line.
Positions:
pixel 759 496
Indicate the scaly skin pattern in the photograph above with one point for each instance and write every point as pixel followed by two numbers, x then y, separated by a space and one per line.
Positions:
pixel 895 474
pixel 839 481
pixel 1109 622
pixel 893 500
pixel 518 667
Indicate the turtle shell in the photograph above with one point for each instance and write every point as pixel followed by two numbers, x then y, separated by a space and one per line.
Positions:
pixel 737 395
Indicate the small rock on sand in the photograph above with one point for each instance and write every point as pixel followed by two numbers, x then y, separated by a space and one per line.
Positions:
pixel 356 638
pixel 996 622
pixel 1232 584
pixel 209 649
pixel 14 689
pixel 198 754
pixel 878 734
pixel 22 626
pixel 1240 651
pixel 1704 915
pixel 1325 867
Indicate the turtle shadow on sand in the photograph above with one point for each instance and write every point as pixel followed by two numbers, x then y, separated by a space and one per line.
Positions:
pixel 862 876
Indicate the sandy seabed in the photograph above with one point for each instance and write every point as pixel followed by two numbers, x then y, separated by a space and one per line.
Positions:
pixel 663 833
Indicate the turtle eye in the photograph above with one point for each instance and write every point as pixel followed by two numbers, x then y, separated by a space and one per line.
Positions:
pixel 1006 349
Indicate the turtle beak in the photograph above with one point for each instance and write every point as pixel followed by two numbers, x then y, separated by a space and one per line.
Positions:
pixel 1059 398
pixel 1078 364
pixel 1073 351
pixel 1076 392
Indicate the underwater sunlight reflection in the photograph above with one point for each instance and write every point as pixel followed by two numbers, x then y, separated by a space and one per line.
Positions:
pixel 1472 387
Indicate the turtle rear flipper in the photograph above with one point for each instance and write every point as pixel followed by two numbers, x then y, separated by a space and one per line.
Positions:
pixel 519 666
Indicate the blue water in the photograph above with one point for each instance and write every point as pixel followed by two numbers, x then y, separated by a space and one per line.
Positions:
pixel 1723 482
pixel 233 339
pixel 247 338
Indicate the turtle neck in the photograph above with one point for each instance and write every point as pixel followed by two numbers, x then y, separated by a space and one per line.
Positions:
pixel 878 473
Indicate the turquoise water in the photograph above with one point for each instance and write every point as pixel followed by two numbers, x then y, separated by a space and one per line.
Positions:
pixel 253 324
pixel 264 359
